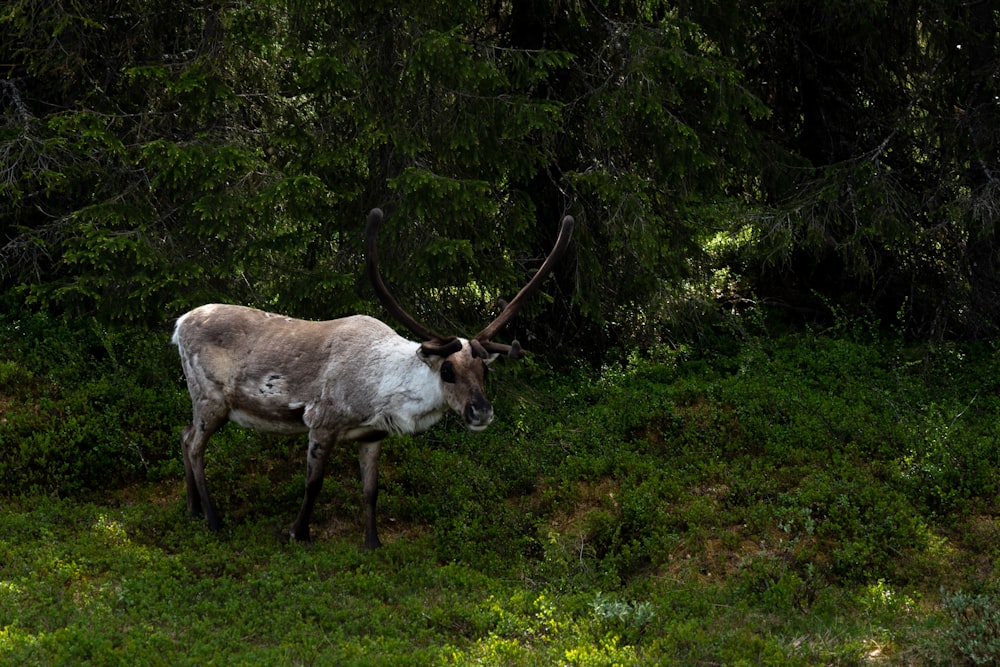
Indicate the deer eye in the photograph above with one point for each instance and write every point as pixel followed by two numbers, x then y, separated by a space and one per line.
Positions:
pixel 448 372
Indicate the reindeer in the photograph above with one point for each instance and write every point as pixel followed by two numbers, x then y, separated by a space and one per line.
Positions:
pixel 343 380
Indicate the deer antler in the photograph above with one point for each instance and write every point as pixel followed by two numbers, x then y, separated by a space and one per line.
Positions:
pixel 434 343
pixel 511 309
pixel 482 345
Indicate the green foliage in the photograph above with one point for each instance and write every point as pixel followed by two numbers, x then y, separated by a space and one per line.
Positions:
pixel 233 156
pixel 626 619
pixel 158 155
pixel 873 187
pixel 84 408
pixel 975 631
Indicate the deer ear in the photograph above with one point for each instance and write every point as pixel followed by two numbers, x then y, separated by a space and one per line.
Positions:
pixel 493 350
pixel 433 361
pixel 442 348
pixel 479 351
pixel 433 352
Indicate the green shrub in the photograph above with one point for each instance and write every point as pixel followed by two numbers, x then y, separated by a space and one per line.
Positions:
pixel 974 635
pixel 14 378
pixel 85 408
pixel 628 619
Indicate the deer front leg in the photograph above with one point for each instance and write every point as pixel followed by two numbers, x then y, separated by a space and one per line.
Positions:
pixel 368 458
pixel 319 449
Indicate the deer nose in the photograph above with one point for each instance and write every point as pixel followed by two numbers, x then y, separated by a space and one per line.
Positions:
pixel 478 414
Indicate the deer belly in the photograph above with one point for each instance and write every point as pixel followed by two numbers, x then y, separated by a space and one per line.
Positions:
pixel 262 402
pixel 271 418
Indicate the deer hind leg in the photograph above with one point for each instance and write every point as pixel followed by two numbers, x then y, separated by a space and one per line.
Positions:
pixel 319 450
pixel 368 458
pixel 193 439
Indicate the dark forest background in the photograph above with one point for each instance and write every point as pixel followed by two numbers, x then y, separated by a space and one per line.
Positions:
pixel 815 157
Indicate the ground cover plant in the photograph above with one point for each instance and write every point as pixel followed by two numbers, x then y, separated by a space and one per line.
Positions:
pixel 805 498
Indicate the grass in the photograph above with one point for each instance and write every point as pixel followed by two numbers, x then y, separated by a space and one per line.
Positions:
pixel 138 584
pixel 91 588
pixel 799 499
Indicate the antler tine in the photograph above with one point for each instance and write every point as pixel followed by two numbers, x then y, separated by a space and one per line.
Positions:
pixel 511 309
pixel 371 265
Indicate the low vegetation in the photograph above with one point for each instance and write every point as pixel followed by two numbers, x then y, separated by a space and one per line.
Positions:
pixel 777 497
